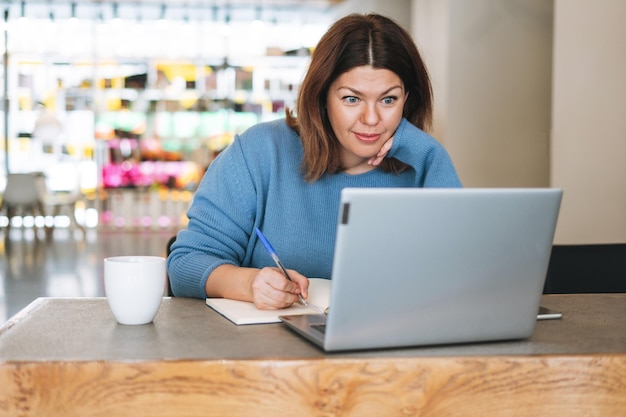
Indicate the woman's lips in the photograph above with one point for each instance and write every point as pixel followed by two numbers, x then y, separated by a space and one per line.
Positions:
pixel 367 137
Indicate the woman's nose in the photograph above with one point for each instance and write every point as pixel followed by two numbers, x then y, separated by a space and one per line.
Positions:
pixel 370 115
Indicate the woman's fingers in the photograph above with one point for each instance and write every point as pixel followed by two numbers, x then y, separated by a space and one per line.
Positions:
pixel 272 290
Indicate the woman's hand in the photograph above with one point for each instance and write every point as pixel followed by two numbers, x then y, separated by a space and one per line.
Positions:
pixel 267 288
pixel 272 290
pixel 384 150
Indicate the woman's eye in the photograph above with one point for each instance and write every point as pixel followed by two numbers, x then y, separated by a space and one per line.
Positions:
pixel 351 99
pixel 389 100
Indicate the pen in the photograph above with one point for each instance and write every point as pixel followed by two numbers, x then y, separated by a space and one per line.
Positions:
pixel 274 256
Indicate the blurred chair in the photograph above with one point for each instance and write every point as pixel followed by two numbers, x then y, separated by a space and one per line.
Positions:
pixel 593 268
pixel 64 200
pixel 23 196
pixel 62 190
pixel 26 194
pixel 168 250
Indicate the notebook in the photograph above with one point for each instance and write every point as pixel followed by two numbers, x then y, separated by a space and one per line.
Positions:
pixel 419 267
pixel 243 312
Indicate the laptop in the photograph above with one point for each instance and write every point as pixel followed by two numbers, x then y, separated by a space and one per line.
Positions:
pixel 416 267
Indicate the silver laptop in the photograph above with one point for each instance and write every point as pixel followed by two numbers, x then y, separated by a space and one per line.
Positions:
pixel 419 267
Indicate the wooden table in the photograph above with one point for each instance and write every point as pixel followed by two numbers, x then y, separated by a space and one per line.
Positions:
pixel 68 357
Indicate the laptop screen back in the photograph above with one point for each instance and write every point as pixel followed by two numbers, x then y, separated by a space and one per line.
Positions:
pixel 431 266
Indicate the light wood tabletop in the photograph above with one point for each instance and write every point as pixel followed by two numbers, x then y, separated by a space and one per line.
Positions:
pixel 69 357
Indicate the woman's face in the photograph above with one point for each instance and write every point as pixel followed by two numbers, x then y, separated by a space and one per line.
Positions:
pixel 365 108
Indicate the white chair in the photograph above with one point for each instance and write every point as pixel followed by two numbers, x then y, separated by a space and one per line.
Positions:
pixel 27 194
pixel 23 195
pixel 64 200
pixel 62 185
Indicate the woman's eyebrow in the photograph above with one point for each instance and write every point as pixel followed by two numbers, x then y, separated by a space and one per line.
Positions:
pixel 358 92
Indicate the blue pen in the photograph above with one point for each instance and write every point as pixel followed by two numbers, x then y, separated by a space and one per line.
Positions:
pixel 272 253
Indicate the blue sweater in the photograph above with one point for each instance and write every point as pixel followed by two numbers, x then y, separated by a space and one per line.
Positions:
pixel 257 181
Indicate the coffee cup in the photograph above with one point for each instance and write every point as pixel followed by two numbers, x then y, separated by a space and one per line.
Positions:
pixel 134 287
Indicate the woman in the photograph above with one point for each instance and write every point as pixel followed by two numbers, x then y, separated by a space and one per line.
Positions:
pixel 360 118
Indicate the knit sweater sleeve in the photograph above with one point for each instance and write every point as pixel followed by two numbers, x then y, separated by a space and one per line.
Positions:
pixel 220 216
pixel 431 162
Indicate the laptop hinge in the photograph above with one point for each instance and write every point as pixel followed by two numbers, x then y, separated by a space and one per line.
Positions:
pixel 345 213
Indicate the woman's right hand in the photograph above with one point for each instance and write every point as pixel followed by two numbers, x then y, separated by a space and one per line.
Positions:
pixel 267 288
pixel 271 290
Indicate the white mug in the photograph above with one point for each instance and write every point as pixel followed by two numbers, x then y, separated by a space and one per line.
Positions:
pixel 134 286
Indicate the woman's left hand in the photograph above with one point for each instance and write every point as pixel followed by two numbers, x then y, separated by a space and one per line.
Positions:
pixel 384 150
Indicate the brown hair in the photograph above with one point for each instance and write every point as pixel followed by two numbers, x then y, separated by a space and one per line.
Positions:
pixel 353 41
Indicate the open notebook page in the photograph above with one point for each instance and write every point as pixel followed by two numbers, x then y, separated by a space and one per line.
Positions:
pixel 243 312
